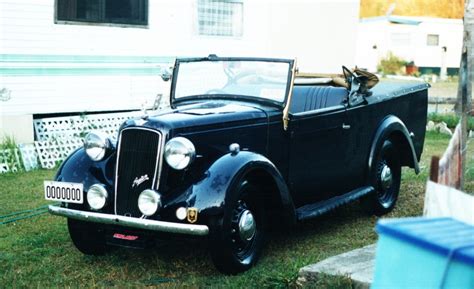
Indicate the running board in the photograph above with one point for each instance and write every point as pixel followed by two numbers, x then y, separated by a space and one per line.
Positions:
pixel 317 209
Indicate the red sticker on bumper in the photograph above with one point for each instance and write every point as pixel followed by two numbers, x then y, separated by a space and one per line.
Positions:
pixel 125 237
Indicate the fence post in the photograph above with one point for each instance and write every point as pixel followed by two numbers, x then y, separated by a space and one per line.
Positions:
pixel 464 79
pixel 434 169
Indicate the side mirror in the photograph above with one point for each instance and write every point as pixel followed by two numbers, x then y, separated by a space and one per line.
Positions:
pixel 166 73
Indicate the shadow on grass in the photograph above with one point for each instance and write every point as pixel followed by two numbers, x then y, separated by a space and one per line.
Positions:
pixel 288 249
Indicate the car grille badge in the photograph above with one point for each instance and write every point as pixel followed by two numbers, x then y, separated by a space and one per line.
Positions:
pixel 139 180
pixel 192 215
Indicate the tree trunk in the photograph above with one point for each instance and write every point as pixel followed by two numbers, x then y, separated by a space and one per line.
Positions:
pixel 468 53
pixel 466 73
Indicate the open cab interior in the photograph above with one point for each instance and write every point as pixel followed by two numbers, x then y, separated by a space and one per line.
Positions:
pixel 314 92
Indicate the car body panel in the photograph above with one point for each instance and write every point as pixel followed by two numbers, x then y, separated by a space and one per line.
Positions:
pixel 209 194
pixel 300 160
pixel 313 137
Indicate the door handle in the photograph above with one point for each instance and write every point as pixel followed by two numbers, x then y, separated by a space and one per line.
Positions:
pixel 346 126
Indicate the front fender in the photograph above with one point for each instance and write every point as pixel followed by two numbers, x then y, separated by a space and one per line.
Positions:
pixel 209 195
pixel 393 127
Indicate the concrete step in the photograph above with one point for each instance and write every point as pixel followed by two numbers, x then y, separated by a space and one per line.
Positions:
pixel 358 265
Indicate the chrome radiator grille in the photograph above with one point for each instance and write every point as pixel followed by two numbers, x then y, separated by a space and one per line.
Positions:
pixel 138 165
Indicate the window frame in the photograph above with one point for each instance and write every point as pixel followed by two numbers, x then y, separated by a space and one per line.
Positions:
pixel 428 40
pixel 106 24
pixel 212 58
pixel 233 36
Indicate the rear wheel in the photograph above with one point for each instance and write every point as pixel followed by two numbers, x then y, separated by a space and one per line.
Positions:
pixel 238 236
pixel 88 237
pixel 385 178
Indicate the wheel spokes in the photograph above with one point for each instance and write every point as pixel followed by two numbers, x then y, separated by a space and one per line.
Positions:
pixel 384 181
pixel 243 230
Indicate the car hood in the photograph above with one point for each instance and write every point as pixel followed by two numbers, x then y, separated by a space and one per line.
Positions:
pixel 217 114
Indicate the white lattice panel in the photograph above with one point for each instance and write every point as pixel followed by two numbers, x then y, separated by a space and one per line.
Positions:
pixel 52 152
pixel 78 126
pixel 9 161
pixel 28 156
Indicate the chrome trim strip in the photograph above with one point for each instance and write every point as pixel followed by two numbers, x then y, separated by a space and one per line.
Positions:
pixel 159 226
pixel 158 165
pixel 160 157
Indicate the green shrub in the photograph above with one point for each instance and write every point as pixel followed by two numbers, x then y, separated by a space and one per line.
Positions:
pixel 9 144
pixel 450 119
pixel 391 64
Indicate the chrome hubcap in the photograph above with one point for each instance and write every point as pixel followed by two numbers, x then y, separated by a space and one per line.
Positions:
pixel 247 226
pixel 386 177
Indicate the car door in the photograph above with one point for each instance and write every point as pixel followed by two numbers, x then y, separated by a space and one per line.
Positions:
pixel 318 158
pixel 363 120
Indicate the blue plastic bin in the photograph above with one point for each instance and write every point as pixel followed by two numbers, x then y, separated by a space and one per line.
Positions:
pixel 424 253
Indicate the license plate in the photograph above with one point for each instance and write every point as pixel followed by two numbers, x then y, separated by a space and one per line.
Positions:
pixel 64 192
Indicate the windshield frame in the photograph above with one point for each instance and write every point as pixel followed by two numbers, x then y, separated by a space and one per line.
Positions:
pixel 281 104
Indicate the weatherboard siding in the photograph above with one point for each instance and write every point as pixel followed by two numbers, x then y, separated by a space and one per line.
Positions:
pixel 57 86
pixel 40 95
pixel 59 68
pixel 48 67
pixel 29 28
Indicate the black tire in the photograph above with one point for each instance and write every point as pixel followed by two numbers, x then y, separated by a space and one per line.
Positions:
pixel 231 253
pixel 88 237
pixel 385 196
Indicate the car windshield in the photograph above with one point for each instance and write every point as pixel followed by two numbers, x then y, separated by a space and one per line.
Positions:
pixel 267 80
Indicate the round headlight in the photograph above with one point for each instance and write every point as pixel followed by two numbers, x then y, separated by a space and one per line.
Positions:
pixel 96 145
pixel 97 196
pixel 179 153
pixel 149 202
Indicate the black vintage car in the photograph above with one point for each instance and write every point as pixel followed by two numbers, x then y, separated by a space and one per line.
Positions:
pixel 247 144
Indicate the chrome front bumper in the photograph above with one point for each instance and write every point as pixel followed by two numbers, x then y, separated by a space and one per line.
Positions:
pixel 152 225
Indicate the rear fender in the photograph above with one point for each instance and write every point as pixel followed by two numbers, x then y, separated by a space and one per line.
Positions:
pixel 393 128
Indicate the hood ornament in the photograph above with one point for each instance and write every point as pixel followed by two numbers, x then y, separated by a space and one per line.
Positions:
pixel 144 112
pixel 139 180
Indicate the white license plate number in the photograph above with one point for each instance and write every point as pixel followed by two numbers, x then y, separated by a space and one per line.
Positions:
pixel 64 192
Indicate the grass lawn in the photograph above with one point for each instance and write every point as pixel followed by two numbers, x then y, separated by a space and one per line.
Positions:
pixel 37 252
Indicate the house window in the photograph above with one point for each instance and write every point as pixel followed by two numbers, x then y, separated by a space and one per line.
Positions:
pixel 128 12
pixel 432 40
pixel 220 17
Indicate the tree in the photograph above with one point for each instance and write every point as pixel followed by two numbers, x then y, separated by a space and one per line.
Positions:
pixel 433 8
pixel 466 70
pixel 464 102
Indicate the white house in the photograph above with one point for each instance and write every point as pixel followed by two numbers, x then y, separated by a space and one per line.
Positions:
pixel 430 43
pixel 75 56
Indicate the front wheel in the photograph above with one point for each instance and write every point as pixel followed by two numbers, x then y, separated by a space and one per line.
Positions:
pixel 88 237
pixel 385 178
pixel 238 236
